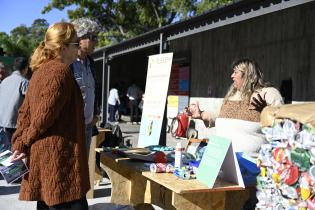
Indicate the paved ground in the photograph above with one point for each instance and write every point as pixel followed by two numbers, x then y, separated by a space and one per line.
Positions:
pixel 9 192
pixel 9 196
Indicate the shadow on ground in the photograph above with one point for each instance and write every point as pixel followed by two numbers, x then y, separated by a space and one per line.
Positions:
pixel 105 192
pixel 7 190
pixel 130 132
pixel 110 206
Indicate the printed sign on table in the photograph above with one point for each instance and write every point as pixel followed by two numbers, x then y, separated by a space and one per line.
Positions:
pixel 158 76
pixel 219 160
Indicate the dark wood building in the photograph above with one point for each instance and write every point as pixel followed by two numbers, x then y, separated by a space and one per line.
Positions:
pixel 279 34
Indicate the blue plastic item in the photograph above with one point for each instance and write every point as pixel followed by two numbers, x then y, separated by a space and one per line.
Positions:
pixel 194 163
pixel 160 148
pixel 248 168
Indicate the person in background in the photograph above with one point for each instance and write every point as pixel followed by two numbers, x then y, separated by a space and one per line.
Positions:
pixel 3 72
pixel 239 116
pixel 133 94
pixel 113 103
pixel 141 103
pixel 84 72
pixel 50 128
pixel 12 93
pixel 4 142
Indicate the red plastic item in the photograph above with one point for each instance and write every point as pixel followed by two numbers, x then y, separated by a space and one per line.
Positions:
pixel 311 204
pixel 160 157
pixel 292 176
pixel 279 154
pixel 182 124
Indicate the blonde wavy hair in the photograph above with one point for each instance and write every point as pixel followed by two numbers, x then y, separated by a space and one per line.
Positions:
pixel 253 78
pixel 57 36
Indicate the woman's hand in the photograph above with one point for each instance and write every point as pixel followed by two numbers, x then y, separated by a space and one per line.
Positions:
pixel 95 120
pixel 194 110
pixel 17 156
pixel 258 103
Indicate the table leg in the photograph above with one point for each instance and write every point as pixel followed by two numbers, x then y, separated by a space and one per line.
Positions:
pixel 235 200
pixel 90 193
pixel 95 142
pixel 159 195
pixel 198 201
pixel 130 187
pixel 121 186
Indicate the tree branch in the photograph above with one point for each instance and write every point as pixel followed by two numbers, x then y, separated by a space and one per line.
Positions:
pixel 156 14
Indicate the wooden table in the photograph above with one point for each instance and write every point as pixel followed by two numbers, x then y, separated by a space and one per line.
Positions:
pixel 95 174
pixel 132 183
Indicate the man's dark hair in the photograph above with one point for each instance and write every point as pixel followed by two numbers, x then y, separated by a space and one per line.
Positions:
pixel 20 63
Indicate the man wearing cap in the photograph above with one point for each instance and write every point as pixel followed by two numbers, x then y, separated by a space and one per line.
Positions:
pixel 12 93
pixel 84 72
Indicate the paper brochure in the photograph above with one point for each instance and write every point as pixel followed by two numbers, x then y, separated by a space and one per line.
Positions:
pixel 11 170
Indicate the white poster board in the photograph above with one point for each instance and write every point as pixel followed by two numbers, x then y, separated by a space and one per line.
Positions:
pixel 158 76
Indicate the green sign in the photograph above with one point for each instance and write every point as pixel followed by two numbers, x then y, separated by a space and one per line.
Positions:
pixel 218 156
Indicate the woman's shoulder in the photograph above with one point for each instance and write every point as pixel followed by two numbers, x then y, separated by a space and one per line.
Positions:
pixel 272 95
pixel 270 89
pixel 55 68
pixel 56 65
pixel 52 70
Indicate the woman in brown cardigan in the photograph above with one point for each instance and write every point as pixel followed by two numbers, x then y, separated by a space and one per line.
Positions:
pixel 50 132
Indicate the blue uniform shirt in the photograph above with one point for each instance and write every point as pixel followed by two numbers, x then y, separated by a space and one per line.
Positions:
pixel 83 75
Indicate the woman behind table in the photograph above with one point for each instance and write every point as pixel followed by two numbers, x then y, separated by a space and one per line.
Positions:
pixel 50 129
pixel 240 112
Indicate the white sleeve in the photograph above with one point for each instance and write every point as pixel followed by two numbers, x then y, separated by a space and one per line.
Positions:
pixel 272 96
pixel 117 96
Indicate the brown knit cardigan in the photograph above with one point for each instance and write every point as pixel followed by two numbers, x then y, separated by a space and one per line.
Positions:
pixel 50 130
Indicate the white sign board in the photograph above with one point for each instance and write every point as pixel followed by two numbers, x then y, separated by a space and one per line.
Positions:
pixel 158 76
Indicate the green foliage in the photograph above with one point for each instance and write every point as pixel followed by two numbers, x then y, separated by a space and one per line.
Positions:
pixel 124 19
pixel 3 36
pixel 23 40
pixel 38 30
pixel 19 32
pixel 120 20
pixel 206 5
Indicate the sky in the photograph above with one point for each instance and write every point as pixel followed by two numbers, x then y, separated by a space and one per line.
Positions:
pixel 17 12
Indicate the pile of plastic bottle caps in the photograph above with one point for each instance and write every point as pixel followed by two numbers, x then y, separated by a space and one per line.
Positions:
pixel 287 165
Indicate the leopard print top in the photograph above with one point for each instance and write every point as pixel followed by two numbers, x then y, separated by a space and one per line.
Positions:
pixel 239 110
